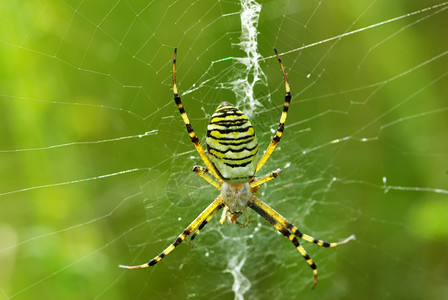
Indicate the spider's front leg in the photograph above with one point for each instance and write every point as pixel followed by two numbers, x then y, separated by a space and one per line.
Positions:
pixel 285 223
pixel 210 210
pixel 204 223
pixel 258 206
pixel 291 232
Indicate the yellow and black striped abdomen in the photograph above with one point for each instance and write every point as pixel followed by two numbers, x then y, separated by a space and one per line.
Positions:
pixel 232 145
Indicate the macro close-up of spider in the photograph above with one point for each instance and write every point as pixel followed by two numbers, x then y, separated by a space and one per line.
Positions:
pixel 231 165
pixel 239 187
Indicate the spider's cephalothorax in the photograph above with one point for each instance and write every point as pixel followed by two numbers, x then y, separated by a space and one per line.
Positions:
pixel 232 145
pixel 231 166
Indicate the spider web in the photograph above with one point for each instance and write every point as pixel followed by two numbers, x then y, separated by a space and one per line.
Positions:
pixel 96 164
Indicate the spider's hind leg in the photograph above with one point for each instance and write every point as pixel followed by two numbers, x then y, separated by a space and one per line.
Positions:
pixel 191 133
pixel 281 124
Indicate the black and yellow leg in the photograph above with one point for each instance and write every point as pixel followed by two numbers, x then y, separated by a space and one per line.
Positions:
pixel 281 125
pixel 204 215
pixel 204 223
pixel 263 179
pixel 193 137
pixel 287 234
pixel 285 223
pixel 203 172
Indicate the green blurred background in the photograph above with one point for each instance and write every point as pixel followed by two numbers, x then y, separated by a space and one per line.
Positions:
pixel 83 188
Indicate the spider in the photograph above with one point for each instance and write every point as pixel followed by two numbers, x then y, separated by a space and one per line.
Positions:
pixel 233 162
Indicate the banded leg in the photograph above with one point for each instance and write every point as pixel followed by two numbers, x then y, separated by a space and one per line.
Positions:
pixel 209 210
pixel 281 125
pixel 190 130
pixel 253 204
pixel 285 223
pixel 203 172
pixel 204 223
pixel 265 178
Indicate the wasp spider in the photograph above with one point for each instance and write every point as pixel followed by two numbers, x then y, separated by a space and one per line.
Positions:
pixel 231 165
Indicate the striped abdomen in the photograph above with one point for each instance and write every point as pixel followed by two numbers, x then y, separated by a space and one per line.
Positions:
pixel 232 145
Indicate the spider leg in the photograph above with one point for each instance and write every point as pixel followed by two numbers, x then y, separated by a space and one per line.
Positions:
pixel 203 172
pixel 285 223
pixel 265 178
pixel 281 125
pixel 210 216
pixel 209 210
pixel 193 137
pixel 268 217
